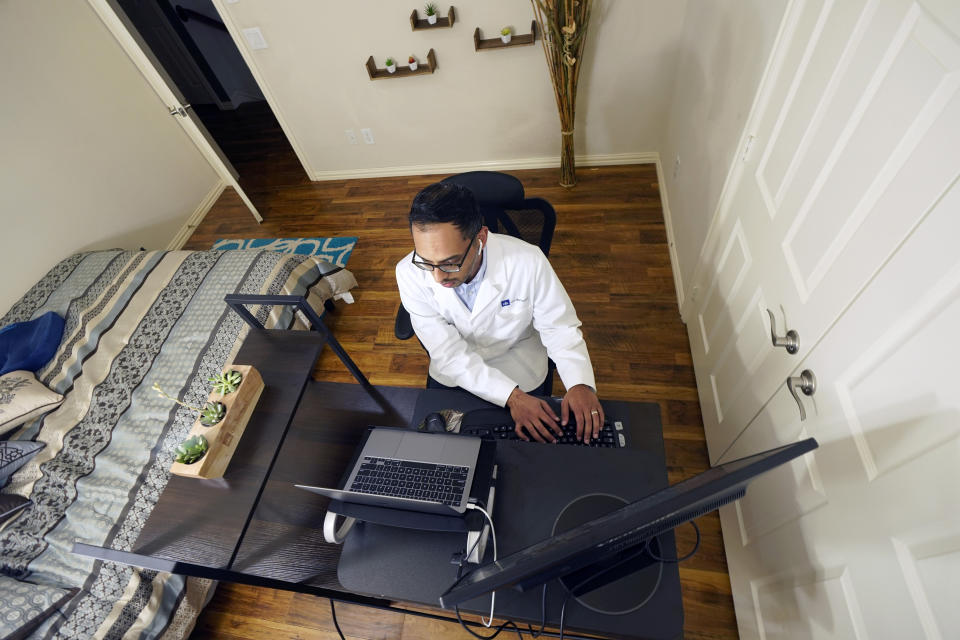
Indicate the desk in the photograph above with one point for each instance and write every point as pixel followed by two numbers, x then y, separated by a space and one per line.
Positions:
pixel 253 526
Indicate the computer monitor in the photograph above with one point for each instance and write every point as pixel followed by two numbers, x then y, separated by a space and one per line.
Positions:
pixel 597 546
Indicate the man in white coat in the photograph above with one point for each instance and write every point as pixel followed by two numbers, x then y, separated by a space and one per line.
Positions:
pixel 489 309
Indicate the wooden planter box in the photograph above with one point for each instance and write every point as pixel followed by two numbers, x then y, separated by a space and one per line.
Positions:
pixel 223 437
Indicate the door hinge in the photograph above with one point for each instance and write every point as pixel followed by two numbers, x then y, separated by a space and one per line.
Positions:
pixel 179 111
pixel 747 147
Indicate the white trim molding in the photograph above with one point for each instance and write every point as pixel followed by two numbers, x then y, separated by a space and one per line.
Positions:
pixel 197 216
pixel 645 157
pixel 671 243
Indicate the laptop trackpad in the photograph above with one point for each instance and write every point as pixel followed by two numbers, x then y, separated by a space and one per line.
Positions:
pixel 426 449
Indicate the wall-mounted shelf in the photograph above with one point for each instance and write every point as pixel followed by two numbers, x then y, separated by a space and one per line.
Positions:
pixel 402 71
pixel 479 44
pixel 417 23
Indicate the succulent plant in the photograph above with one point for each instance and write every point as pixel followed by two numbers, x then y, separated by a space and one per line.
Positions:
pixel 390 62
pixel 191 450
pixel 411 60
pixel 226 382
pixel 505 31
pixel 212 413
pixel 431 8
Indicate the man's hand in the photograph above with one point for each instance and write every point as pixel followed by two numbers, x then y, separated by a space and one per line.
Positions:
pixel 585 406
pixel 534 415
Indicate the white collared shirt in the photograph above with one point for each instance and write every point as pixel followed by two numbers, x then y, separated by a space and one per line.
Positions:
pixel 467 292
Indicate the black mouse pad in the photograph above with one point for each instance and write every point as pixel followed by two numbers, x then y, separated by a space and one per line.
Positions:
pixel 535 484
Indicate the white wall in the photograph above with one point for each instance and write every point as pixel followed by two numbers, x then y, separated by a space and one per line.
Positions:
pixel 723 53
pixel 490 106
pixel 89 157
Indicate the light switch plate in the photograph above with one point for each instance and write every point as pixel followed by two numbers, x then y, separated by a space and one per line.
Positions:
pixel 255 38
pixel 367 135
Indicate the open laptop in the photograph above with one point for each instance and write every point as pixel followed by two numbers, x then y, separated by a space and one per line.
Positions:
pixel 403 469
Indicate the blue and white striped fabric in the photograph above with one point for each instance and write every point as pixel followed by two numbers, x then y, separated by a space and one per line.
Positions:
pixel 335 250
pixel 132 319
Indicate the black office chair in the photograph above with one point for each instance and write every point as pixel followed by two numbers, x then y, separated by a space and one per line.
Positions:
pixel 505 210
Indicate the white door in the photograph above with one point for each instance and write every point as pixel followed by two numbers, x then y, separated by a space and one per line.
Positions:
pixel 854 138
pixel 861 537
pixel 171 102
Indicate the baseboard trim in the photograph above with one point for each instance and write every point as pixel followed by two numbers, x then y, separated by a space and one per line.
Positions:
pixel 197 216
pixel 668 223
pixel 599 160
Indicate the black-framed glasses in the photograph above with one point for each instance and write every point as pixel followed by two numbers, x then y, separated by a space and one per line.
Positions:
pixel 447 267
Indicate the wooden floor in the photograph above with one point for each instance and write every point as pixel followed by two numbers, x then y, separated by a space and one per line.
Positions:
pixel 610 250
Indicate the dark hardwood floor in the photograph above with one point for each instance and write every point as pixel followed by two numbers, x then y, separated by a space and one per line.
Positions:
pixel 610 250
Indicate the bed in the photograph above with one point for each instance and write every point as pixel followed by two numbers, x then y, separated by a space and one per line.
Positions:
pixel 132 319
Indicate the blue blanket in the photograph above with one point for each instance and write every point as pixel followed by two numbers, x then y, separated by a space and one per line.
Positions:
pixel 27 346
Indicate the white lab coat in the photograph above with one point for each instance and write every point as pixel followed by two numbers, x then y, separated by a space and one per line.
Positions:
pixel 521 315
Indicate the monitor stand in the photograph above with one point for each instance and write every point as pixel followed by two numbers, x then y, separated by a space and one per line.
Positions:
pixel 616 586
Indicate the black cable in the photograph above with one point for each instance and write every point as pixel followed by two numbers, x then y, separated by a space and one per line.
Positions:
pixel 508 623
pixel 333 612
pixel 543 615
pixel 677 560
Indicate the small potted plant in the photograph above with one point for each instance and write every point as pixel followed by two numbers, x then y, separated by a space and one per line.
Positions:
pixel 391 65
pixel 431 11
pixel 505 35
pixel 191 450
pixel 227 382
pixel 210 413
pixel 412 62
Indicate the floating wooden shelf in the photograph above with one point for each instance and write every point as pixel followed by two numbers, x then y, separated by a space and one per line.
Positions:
pixel 223 437
pixel 402 71
pixel 417 23
pixel 479 44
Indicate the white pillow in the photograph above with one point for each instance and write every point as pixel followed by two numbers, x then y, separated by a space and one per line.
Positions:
pixel 23 398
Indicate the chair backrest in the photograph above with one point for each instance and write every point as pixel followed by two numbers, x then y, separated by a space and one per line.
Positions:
pixel 506 210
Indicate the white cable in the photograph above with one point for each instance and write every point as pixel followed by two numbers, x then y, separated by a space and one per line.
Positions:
pixel 493 534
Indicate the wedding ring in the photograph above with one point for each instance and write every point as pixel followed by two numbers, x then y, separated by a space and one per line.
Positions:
pixel 594 412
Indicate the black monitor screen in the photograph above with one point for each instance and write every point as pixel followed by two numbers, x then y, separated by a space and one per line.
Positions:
pixel 622 528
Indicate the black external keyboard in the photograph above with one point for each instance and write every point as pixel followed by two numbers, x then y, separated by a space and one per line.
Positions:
pixel 441 483
pixel 611 435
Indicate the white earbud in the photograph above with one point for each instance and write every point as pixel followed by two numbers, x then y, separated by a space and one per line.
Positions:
pixel 480 250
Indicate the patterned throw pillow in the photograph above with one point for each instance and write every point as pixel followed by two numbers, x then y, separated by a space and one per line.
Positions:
pixel 25 606
pixel 14 454
pixel 23 398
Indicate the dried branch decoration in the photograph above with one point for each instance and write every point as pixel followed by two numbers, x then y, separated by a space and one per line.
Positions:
pixel 563 24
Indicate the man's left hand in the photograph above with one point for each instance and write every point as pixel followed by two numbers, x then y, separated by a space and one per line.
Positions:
pixel 583 403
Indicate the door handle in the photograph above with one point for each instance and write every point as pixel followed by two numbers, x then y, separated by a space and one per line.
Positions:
pixel 179 111
pixel 806 382
pixel 790 342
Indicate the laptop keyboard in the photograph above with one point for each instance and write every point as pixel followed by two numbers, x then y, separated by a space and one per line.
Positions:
pixel 611 434
pixel 442 483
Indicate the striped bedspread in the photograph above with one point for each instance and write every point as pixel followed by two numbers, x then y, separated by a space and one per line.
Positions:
pixel 133 318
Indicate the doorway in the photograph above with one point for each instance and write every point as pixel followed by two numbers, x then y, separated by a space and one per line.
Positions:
pixel 192 46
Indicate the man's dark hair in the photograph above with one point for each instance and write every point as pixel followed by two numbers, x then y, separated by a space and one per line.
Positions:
pixel 447 202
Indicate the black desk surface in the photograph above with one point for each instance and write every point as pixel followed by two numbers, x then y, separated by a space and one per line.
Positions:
pixel 536 481
pixel 202 521
pixel 285 537
pixel 285 541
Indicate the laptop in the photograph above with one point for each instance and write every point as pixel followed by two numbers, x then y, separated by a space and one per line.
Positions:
pixel 404 469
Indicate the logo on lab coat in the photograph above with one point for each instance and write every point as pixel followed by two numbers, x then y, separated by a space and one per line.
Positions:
pixel 504 303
